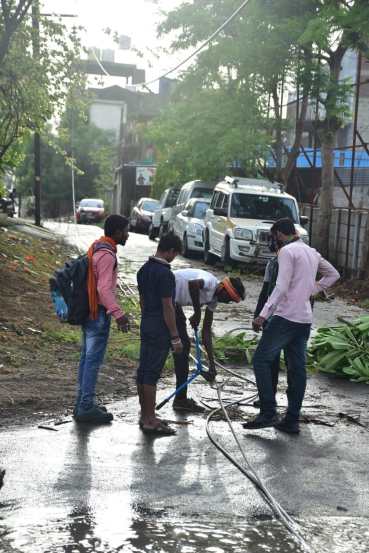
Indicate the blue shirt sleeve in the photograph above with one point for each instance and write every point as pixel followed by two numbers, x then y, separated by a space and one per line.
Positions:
pixel 166 284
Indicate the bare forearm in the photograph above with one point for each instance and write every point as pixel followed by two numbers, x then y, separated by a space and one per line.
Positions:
pixel 195 297
pixel 170 319
pixel 207 340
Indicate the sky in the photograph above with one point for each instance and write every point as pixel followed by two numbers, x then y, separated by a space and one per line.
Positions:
pixel 135 18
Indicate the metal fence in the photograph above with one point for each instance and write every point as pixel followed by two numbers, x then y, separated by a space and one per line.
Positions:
pixel 354 263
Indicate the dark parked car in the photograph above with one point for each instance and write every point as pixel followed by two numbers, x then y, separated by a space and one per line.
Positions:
pixel 90 210
pixel 142 213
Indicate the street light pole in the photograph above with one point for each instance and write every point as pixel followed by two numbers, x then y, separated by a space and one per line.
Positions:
pixel 36 139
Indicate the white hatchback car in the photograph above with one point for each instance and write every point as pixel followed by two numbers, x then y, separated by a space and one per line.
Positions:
pixel 239 218
pixel 189 225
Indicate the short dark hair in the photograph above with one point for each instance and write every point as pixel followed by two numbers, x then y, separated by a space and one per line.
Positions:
pixel 284 225
pixel 114 223
pixel 238 286
pixel 170 241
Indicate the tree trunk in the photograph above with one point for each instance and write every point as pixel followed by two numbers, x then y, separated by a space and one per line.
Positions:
pixel 295 150
pixel 328 132
pixel 278 128
pixel 326 193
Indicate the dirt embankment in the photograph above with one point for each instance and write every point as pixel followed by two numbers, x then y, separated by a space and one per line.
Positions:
pixel 38 354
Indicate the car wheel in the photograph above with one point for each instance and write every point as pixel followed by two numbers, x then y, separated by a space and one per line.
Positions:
pixel 226 254
pixel 152 232
pixel 185 250
pixel 163 229
pixel 209 258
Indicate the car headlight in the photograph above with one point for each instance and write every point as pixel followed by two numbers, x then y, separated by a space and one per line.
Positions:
pixel 195 228
pixel 243 234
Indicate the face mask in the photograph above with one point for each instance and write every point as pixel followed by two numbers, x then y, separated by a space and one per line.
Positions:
pixel 273 243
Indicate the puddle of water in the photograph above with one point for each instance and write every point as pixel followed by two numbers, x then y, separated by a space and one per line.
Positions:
pixel 141 530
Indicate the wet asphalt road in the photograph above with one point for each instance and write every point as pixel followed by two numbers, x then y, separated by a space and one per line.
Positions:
pixel 113 489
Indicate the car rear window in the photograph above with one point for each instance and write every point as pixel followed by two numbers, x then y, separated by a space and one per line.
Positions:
pixel 92 203
pixel 202 193
pixel 172 197
pixel 199 210
pixel 152 205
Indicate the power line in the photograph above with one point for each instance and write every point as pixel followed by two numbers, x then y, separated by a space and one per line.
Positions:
pixel 99 63
pixel 199 48
pixel 194 53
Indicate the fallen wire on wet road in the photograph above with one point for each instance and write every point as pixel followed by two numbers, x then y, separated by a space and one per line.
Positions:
pixel 292 526
pixel 247 469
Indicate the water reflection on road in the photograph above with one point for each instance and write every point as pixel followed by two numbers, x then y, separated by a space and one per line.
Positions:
pixel 84 531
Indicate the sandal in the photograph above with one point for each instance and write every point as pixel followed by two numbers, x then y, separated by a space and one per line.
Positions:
pixel 162 421
pixel 160 430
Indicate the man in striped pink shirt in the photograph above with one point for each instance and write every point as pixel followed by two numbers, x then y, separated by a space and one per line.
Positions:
pixel 289 317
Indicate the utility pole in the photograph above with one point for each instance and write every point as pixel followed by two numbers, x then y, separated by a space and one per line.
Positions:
pixel 72 166
pixel 36 139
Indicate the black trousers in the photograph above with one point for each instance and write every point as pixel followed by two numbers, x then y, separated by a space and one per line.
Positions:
pixel 181 360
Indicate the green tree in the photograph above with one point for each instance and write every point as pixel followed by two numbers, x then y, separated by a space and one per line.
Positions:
pixel 12 14
pixel 33 90
pixel 204 131
pixel 301 43
pixel 337 25
pixel 92 152
pixel 259 49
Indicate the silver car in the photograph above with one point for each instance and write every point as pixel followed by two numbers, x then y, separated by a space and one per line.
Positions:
pixel 189 225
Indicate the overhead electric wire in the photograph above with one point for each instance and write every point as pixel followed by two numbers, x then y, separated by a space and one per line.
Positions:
pixel 99 63
pixel 201 47
pixel 193 54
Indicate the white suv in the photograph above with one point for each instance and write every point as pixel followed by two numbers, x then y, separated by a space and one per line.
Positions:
pixel 238 221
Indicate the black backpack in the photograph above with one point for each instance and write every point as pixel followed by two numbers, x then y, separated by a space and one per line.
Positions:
pixel 68 288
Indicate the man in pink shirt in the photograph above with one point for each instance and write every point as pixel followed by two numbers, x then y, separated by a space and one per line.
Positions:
pixel 102 282
pixel 289 315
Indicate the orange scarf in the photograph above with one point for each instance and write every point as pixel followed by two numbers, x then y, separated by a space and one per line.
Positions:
pixel 231 291
pixel 91 280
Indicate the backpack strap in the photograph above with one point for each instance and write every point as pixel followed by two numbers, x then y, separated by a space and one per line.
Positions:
pixel 105 246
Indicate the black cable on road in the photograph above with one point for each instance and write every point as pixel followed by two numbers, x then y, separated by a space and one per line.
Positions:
pixel 292 526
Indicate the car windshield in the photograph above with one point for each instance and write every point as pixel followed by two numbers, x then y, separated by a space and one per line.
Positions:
pixel 92 203
pixel 199 210
pixel 150 205
pixel 172 197
pixel 270 208
pixel 202 193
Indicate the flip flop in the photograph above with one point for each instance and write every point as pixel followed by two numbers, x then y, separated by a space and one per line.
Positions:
pixel 162 421
pixel 160 430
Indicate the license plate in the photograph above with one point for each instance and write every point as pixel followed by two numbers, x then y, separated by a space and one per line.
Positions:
pixel 266 252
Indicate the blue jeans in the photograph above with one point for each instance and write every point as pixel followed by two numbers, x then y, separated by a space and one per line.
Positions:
pixel 292 338
pixel 95 335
